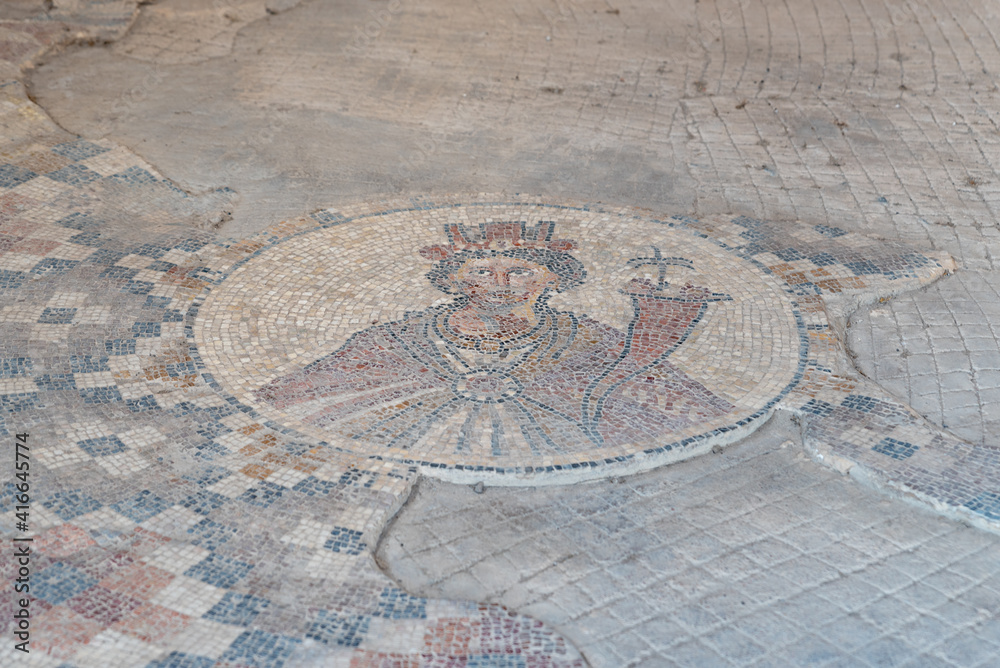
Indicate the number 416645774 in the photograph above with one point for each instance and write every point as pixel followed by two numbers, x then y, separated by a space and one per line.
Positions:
pixel 22 465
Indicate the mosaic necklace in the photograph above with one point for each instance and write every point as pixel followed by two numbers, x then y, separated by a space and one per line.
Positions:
pixel 490 344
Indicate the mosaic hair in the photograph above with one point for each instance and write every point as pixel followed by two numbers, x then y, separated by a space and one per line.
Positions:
pixel 569 270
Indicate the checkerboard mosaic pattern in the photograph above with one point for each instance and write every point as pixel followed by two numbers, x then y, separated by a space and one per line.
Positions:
pixel 173 529
pixel 176 525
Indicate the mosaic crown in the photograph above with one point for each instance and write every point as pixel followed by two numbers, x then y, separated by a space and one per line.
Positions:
pixel 497 236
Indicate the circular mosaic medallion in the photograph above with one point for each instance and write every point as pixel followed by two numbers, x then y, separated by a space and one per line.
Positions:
pixel 521 342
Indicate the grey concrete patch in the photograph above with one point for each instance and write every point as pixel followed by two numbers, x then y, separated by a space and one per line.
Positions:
pixel 937 350
pixel 755 556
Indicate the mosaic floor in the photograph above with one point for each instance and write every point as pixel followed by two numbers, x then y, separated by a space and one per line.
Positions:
pixel 219 430
pixel 547 359
pixel 543 354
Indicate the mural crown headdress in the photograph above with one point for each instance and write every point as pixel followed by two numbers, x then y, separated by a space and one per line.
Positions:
pixel 499 236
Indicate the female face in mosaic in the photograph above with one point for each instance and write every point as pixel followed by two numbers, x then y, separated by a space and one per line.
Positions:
pixel 501 285
pixel 499 292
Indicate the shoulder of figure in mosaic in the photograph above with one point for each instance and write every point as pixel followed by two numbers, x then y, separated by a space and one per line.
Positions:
pixel 643 287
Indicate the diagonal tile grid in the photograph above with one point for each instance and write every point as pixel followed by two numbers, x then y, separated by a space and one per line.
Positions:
pixel 752 557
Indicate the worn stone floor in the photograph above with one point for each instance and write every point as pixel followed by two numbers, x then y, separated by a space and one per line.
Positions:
pixel 521 334
pixel 753 556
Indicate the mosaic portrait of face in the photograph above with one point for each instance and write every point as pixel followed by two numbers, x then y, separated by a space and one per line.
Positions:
pixel 539 350
pixel 500 284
